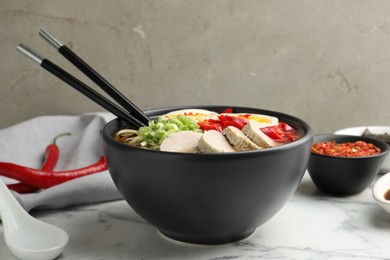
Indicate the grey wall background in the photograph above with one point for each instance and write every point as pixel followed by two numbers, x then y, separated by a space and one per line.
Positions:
pixel 325 61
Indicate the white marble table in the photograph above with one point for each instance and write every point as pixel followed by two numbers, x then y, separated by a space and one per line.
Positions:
pixel 311 225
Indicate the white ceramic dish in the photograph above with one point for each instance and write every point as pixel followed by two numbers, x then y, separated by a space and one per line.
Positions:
pixel 381 186
pixel 359 130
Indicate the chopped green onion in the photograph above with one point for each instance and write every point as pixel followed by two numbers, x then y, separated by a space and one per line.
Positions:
pixel 156 131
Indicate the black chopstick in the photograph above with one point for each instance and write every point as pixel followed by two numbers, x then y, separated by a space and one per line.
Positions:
pixel 80 86
pixel 95 77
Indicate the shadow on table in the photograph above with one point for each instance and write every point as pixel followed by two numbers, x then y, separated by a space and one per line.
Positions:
pixel 114 231
pixel 308 188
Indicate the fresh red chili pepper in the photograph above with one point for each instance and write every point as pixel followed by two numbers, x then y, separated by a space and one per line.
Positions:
pixel 47 179
pixel 21 187
pixel 52 153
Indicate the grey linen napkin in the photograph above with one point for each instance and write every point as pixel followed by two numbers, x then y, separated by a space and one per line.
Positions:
pixel 25 144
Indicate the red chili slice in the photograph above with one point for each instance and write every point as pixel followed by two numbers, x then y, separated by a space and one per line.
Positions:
pixel 285 126
pixel 245 115
pixel 228 110
pixel 227 120
pixel 273 133
pixel 207 125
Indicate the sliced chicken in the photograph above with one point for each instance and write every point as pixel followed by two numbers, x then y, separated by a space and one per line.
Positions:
pixel 214 142
pixel 239 140
pixel 252 130
pixel 182 142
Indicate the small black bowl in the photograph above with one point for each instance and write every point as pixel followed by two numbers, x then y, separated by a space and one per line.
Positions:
pixel 343 176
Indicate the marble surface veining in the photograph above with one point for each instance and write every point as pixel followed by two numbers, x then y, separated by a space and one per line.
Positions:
pixel 312 225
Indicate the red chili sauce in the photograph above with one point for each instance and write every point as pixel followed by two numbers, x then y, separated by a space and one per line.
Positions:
pixel 347 149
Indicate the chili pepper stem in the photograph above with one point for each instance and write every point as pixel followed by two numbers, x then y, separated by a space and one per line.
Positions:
pixel 58 136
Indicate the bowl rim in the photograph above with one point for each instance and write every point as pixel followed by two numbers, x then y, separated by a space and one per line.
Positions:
pixel 307 135
pixel 385 148
pixel 378 189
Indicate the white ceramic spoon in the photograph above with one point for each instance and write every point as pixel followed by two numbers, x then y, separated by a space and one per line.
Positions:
pixel 25 236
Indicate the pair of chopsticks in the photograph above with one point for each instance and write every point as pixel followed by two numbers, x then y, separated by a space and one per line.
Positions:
pixel 130 113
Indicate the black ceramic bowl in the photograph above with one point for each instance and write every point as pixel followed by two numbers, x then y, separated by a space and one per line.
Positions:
pixel 208 198
pixel 342 176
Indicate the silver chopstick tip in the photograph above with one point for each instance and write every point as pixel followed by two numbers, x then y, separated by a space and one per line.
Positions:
pixel 50 38
pixel 30 53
